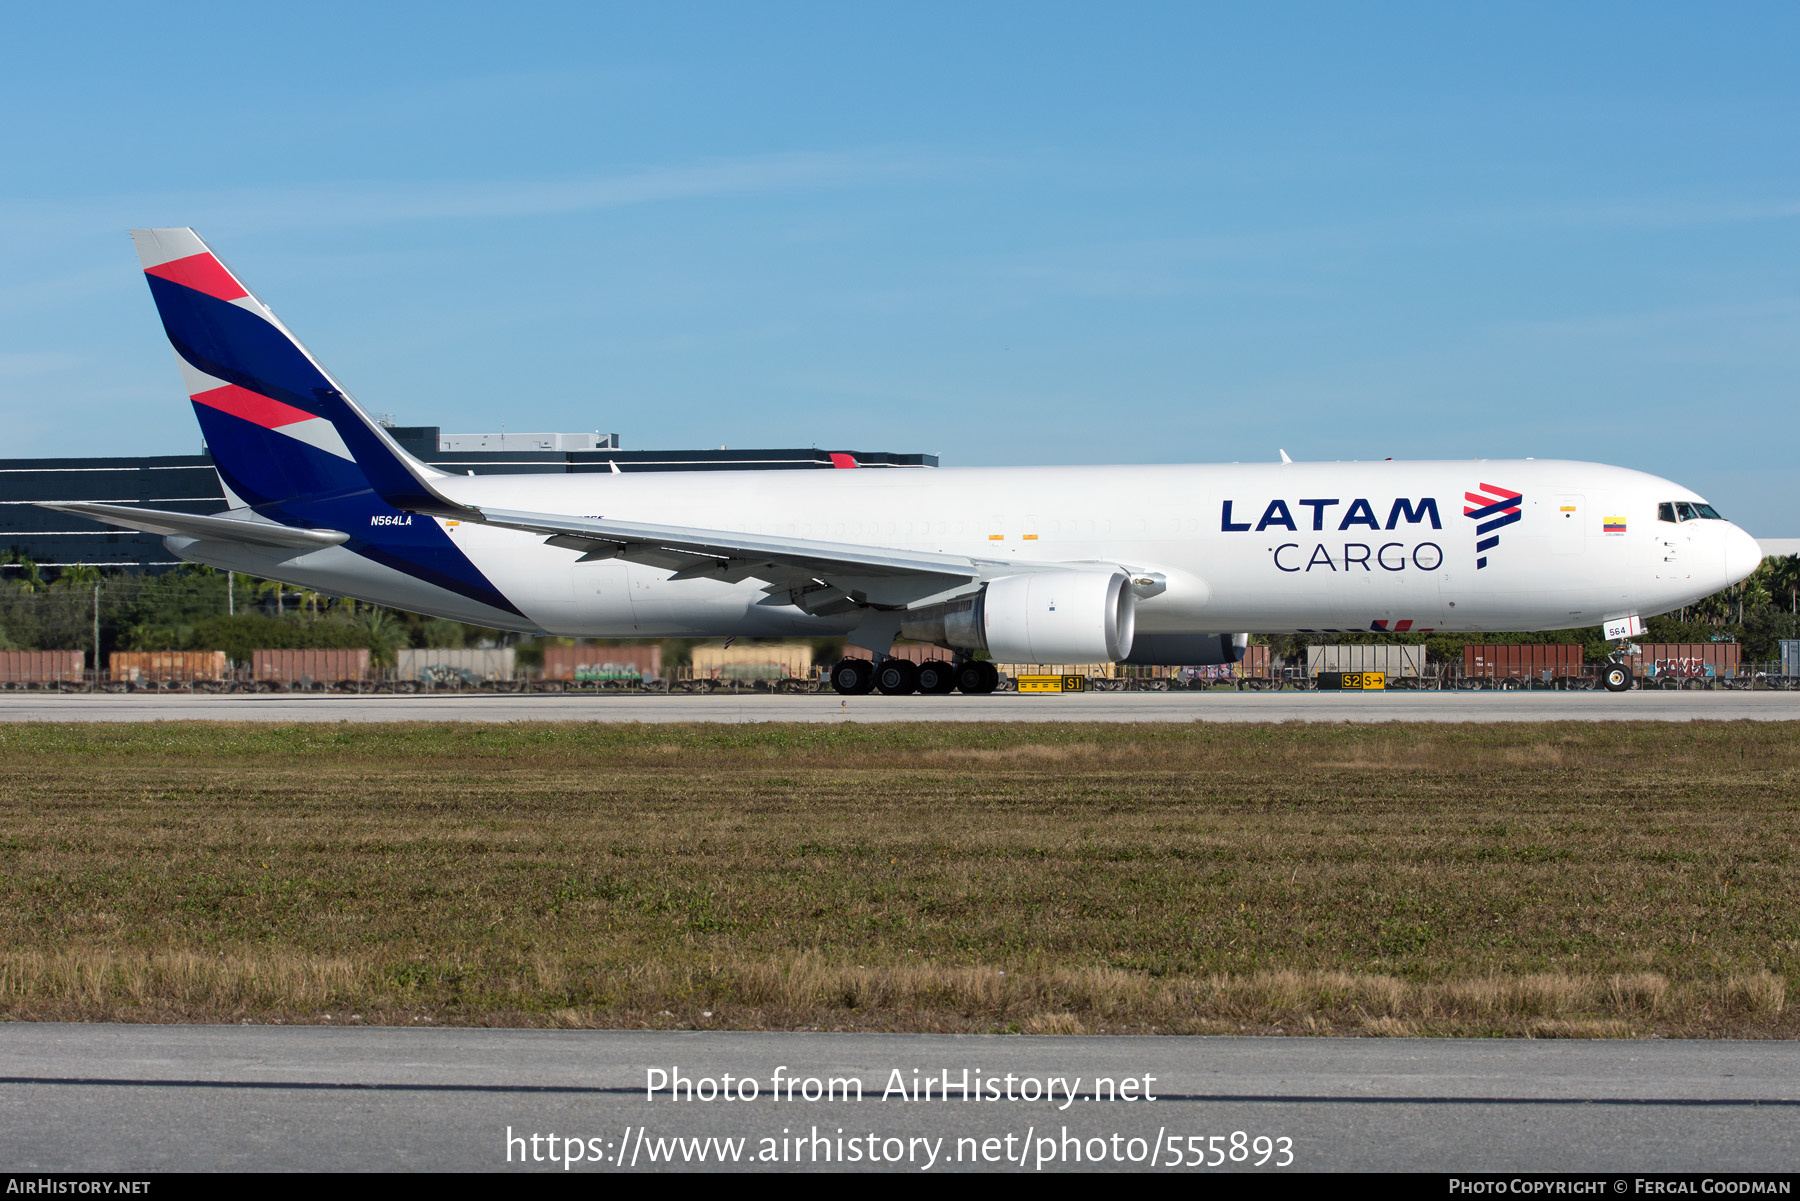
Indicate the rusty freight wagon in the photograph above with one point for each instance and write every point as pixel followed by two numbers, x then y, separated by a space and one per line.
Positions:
pixel 1672 662
pixel 168 667
pixel 603 664
pixel 42 667
pixel 310 668
pixel 1255 665
pixel 1522 660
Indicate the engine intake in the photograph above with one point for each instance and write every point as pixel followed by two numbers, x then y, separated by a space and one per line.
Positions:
pixel 1040 617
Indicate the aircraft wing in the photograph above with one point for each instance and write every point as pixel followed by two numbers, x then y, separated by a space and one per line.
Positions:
pixel 218 528
pixel 880 575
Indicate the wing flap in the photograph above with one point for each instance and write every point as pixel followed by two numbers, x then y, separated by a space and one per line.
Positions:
pixel 694 553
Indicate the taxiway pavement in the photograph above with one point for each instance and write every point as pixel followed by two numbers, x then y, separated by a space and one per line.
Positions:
pixel 124 1098
pixel 763 707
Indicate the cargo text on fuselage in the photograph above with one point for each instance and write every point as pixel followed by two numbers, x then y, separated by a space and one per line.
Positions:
pixel 1358 515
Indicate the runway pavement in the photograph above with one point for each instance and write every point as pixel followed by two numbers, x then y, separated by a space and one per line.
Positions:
pixel 759 707
pixel 163 1098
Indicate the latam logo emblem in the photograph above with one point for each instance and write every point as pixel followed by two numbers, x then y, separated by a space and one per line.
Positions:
pixel 1492 509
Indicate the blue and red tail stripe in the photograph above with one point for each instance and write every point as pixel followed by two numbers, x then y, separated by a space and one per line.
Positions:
pixel 203 273
pixel 253 407
pixel 264 406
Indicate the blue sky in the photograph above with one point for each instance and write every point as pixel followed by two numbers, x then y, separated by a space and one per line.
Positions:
pixel 1003 233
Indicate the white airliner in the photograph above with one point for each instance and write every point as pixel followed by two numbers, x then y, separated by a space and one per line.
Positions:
pixel 1164 564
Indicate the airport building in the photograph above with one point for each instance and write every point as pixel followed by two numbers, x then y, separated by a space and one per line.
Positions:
pixel 188 484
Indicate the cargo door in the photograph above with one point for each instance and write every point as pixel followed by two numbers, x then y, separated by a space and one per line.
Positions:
pixel 600 595
pixel 652 610
pixel 1568 526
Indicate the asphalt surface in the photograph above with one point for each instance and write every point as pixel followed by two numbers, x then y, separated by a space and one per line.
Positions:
pixel 757 707
pixel 167 1098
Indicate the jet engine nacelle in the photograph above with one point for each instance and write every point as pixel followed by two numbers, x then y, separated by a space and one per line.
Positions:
pixel 1188 650
pixel 1039 617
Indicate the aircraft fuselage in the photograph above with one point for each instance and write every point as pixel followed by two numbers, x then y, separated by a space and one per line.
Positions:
pixel 1475 545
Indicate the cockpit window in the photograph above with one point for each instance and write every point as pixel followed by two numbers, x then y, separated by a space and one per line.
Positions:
pixel 1685 510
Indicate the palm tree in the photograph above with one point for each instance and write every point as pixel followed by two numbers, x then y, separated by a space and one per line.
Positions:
pixel 271 588
pixel 1784 576
pixel 30 578
pixel 383 633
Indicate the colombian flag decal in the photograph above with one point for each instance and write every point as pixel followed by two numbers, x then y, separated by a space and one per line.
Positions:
pixel 1613 525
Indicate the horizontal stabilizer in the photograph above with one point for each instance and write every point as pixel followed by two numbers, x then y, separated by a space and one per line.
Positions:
pixel 216 528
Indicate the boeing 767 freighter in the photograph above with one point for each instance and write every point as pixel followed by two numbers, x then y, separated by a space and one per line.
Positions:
pixel 1157 564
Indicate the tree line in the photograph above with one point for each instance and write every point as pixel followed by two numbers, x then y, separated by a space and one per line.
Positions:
pixel 192 607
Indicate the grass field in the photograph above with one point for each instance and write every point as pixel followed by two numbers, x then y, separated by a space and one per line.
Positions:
pixel 1573 880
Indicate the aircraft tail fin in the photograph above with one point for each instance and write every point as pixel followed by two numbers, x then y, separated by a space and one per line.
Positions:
pixel 279 426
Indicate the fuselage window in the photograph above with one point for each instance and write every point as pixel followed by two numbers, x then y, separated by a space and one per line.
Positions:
pixel 1665 511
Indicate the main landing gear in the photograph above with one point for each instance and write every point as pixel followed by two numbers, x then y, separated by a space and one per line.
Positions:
pixel 853 677
pixel 936 677
pixel 901 677
pixel 977 676
pixel 896 677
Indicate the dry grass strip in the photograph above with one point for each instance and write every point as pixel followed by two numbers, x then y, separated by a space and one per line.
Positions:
pixel 1545 881
pixel 805 992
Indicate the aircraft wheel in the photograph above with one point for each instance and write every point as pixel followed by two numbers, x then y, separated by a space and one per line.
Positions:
pixel 897 677
pixel 936 677
pixel 853 677
pixel 1616 677
pixel 976 677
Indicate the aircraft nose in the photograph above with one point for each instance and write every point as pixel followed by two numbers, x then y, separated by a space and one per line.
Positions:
pixel 1742 554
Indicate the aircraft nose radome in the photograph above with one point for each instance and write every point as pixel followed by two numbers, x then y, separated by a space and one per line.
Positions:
pixel 1742 554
